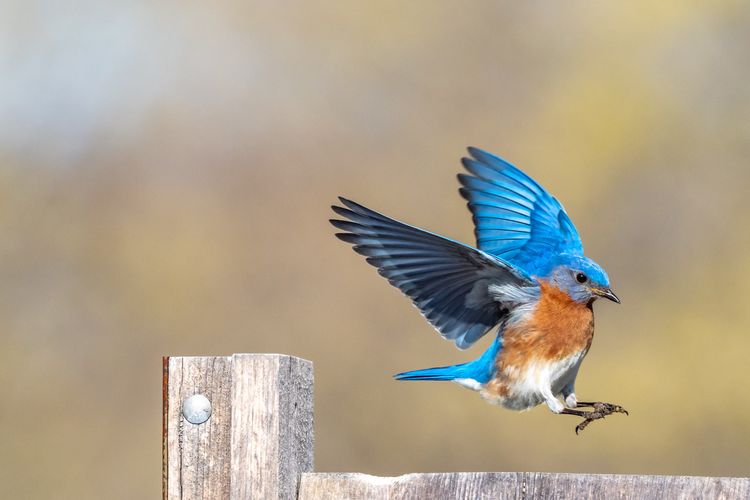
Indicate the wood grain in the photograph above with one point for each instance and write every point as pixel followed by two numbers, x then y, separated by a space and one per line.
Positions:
pixel 197 456
pixel 272 425
pixel 259 438
pixel 491 485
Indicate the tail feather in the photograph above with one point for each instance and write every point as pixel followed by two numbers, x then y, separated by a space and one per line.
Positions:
pixel 437 373
pixel 481 369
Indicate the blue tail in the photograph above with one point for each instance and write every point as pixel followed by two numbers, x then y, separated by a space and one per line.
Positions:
pixel 481 369
pixel 438 373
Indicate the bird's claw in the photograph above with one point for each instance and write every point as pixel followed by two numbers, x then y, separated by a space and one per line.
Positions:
pixel 599 411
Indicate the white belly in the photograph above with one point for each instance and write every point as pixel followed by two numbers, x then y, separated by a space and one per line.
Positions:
pixel 531 386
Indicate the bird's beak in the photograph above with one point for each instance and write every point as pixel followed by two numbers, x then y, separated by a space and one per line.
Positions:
pixel 607 293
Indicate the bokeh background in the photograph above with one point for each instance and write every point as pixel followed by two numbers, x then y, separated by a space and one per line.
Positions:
pixel 166 171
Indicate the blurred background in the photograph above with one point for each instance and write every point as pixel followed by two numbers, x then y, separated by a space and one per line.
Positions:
pixel 166 171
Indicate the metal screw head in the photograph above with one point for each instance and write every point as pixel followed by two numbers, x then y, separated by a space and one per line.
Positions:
pixel 196 409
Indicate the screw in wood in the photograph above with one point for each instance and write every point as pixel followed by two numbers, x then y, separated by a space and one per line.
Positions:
pixel 196 409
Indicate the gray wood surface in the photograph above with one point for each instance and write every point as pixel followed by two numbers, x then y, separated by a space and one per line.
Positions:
pixel 497 485
pixel 258 443
pixel 197 457
pixel 272 425
pixel 259 437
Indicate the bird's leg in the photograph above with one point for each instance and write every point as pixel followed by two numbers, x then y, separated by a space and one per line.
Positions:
pixel 608 408
pixel 599 410
pixel 569 395
pixel 552 402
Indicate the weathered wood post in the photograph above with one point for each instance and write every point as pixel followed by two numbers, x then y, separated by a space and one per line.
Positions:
pixel 241 427
pixel 250 437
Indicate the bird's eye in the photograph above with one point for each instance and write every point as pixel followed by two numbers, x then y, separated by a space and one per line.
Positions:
pixel 581 278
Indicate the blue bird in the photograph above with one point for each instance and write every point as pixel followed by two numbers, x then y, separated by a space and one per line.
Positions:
pixel 528 275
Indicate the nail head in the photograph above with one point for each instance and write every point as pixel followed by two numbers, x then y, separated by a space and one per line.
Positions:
pixel 196 409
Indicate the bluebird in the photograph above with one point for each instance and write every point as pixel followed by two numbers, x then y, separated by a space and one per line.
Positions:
pixel 528 276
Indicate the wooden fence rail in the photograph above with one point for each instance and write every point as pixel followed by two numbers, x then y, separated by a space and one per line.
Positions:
pixel 241 426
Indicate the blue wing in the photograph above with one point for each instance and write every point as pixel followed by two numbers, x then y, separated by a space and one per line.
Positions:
pixel 447 281
pixel 515 218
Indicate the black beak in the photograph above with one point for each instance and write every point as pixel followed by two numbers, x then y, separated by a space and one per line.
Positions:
pixel 607 293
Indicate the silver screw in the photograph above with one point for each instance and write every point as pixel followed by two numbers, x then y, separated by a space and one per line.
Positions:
pixel 196 409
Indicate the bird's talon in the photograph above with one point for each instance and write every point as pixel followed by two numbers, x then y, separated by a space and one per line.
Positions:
pixel 582 426
pixel 600 411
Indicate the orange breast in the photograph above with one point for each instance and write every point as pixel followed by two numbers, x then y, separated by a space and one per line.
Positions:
pixel 559 327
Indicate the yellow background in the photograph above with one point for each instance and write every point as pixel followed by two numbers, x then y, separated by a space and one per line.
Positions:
pixel 166 171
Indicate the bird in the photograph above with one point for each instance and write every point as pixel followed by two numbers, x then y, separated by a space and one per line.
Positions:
pixel 527 276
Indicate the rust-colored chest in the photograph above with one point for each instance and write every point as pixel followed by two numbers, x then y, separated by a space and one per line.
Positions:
pixel 559 327
pixel 543 351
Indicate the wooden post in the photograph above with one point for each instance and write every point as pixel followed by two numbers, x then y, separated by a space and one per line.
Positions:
pixel 258 443
pixel 258 439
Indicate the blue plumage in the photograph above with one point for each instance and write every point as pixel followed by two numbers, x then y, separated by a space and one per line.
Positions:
pixel 480 370
pixel 515 218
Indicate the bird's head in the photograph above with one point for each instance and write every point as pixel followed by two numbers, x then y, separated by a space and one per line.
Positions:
pixel 582 278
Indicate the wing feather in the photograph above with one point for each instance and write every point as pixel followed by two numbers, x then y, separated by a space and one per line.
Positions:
pixel 446 280
pixel 515 218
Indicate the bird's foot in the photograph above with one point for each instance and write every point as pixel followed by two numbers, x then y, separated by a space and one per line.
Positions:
pixel 598 411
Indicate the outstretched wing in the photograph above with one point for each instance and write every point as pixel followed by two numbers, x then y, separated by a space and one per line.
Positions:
pixel 447 281
pixel 515 218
